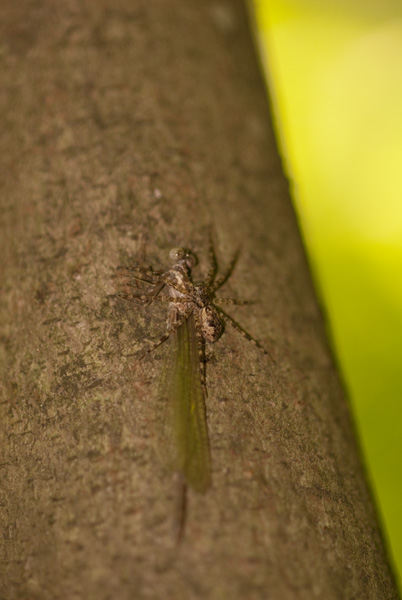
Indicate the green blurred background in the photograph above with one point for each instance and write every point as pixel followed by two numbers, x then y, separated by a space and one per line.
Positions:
pixel 335 76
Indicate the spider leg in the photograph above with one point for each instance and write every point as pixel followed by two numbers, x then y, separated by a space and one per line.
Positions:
pixel 210 278
pixel 153 294
pixel 139 274
pixel 170 329
pixel 157 279
pixel 128 284
pixel 157 285
pixel 186 291
pixel 243 332
pixel 223 279
pixel 144 270
pixel 145 298
pixel 142 298
pixel 232 301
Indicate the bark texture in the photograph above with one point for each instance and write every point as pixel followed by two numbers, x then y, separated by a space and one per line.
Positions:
pixel 128 127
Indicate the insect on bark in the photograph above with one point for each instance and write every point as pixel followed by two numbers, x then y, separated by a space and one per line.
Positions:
pixel 194 318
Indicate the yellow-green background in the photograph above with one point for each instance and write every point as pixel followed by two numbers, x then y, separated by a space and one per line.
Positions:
pixel 335 73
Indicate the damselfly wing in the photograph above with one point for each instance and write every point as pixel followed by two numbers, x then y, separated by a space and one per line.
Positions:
pixel 183 394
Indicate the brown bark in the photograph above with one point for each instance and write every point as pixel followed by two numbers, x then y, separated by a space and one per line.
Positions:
pixel 128 127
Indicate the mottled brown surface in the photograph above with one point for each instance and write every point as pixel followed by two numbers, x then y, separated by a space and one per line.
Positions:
pixel 127 127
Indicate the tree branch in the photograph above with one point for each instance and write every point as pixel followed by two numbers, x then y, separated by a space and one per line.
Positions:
pixel 130 128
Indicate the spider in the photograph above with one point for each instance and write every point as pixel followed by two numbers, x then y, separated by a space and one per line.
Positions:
pixel 186 298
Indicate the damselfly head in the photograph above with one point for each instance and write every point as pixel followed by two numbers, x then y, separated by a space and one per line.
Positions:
pixel 177 255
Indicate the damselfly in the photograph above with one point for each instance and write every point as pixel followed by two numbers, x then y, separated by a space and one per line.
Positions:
pixel 195 317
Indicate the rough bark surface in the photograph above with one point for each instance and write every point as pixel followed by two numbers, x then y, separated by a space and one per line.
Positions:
pixel 128 127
